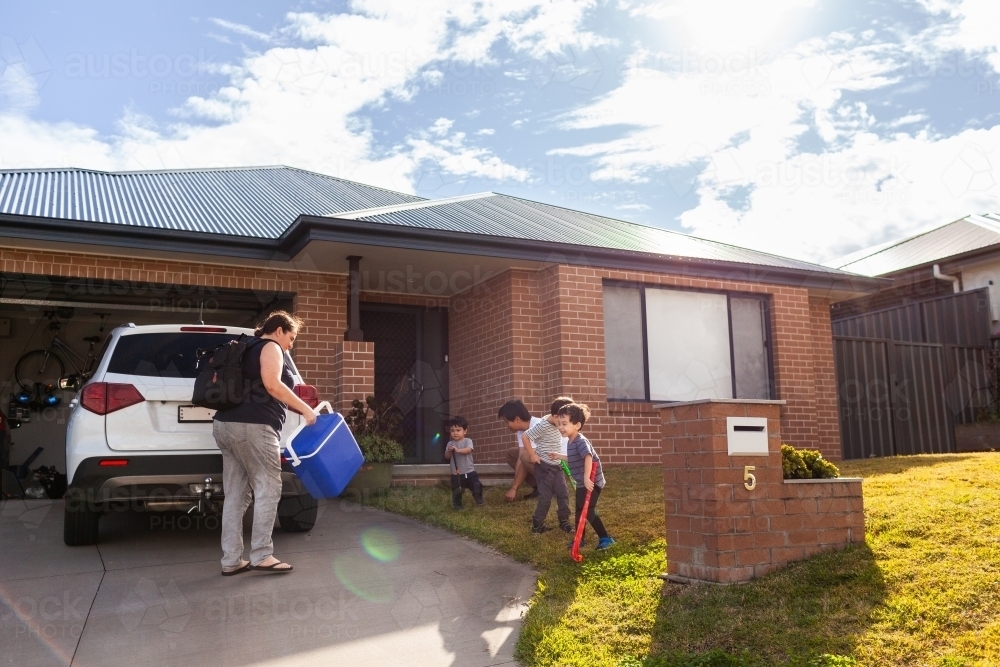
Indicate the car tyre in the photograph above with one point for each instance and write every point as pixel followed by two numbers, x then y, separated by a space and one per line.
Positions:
pixel 80 523
pixel 297 514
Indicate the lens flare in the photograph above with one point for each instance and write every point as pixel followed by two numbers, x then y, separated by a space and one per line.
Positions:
pixel 363 577
pixel 380 544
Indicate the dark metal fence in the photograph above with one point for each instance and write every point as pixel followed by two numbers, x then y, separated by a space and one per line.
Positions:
pixel 958 319
pixel 907 375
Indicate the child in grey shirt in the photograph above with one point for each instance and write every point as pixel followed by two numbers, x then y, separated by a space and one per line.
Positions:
pixel 463 474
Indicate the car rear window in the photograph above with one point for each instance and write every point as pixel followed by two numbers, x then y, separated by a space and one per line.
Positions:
pixel 169 355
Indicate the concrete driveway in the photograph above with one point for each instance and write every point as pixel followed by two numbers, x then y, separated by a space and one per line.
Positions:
pixel 368 588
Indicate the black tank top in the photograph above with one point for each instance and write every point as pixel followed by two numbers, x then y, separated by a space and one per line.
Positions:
pixel 258 407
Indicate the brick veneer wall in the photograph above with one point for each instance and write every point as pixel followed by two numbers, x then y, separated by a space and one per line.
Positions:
pixel 527 334
pixel 354 373
pixel 717 529
pixel 552 321
pixel 320 298
pixel 481 361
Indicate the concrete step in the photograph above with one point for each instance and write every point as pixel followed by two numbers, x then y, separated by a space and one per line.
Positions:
pixel 432 474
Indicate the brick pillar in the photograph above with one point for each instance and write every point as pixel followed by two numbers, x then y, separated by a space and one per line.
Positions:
pixel 720 531
pixel 320 300
pixel 354 373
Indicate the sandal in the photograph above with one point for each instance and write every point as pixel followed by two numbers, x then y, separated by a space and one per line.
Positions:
pixel 242 568
pixel 273 567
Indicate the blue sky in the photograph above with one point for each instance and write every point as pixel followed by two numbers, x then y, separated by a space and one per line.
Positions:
pixel 803 127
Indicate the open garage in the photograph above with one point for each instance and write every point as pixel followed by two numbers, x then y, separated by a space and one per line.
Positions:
pixel 53 327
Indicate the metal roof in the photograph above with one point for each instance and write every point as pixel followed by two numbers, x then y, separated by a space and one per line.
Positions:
pixel 260 202
pixel 512 217
pixel 973 232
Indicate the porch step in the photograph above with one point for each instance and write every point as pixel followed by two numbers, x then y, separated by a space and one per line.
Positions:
pixel 432 474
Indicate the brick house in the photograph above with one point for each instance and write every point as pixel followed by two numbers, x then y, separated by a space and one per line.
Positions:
pixel 446 306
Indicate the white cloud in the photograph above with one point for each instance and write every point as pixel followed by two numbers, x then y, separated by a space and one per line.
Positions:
pixel 452 155
pixel 307 105
pixel 729 130
pixel 241 29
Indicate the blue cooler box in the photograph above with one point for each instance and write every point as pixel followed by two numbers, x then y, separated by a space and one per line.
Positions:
pixel 325 455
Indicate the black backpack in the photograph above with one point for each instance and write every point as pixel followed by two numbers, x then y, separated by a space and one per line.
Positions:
pixel 220 385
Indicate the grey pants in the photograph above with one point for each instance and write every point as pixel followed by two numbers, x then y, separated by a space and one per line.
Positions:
pixel 250 460
pixel 550 483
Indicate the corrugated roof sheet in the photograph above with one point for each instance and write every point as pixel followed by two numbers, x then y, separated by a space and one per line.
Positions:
pixel 511 217
pixel 260 202
pixel 970 233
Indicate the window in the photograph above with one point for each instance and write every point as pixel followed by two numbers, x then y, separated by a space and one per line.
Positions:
pixel 684 345
pixel 169 355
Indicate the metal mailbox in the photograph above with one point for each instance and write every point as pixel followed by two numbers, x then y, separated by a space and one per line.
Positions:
pixel 747 436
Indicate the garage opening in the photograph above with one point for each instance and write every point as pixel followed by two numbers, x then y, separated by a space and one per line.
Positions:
pixel 72 317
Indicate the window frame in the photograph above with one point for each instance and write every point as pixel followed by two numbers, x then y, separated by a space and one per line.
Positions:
pixel 765 300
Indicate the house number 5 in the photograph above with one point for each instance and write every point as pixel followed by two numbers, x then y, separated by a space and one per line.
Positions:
pixel 749 481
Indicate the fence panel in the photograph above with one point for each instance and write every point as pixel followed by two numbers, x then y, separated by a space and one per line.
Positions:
pixel 969 387
pixel 864 397
pixel 922 423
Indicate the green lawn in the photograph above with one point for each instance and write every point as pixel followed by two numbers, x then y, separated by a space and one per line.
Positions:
pixel 923 590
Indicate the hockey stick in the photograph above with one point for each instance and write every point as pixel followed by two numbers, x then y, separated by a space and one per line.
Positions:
pixel 575 552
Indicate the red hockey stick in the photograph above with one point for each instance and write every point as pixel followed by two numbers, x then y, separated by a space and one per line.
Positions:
pixel 575 553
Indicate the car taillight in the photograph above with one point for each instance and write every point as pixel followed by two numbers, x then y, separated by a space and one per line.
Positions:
pixel 113 463
pixel 308 394
pixel 103 398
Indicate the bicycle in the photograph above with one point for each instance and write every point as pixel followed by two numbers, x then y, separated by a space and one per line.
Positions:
pixel 46 368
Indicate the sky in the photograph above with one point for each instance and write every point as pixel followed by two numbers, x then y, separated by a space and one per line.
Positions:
pixel 806 128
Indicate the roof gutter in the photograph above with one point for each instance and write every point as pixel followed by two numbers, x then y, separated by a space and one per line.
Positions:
pixel 322 228
pixel 306 229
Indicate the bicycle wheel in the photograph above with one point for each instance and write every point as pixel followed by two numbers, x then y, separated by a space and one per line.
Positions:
pixel 39 366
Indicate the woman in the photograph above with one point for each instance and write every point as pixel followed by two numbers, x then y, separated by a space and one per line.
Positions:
pixel 247 436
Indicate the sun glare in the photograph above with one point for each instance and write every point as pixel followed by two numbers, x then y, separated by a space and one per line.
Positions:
pixel 722 25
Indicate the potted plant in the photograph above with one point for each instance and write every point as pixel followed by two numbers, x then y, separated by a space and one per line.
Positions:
pixel 375 425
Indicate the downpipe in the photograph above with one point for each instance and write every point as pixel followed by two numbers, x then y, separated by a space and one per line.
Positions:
pixel 944 276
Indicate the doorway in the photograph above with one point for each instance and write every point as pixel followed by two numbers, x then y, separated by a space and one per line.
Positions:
pixel 411 372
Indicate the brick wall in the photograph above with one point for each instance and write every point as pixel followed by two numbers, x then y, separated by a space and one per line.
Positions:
pixel 320 298
pixel 717 529
pixel 481 361
pixel 354 373
pixel 521 334
pixel 543 335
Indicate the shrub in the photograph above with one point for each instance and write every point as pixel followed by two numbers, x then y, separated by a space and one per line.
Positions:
pixel 378 448
pixel 805 464
pixel 375 425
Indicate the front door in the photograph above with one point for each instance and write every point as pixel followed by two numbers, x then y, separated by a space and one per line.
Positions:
pixel 411 373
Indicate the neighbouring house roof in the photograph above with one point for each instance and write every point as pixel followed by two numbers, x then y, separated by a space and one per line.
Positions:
pixel 968 234
pixel 260 202
pixel 272 213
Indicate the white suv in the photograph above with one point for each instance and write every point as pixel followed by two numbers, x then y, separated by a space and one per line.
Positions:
pixel 134 440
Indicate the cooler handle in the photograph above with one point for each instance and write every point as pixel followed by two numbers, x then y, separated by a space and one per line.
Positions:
pixel 288 443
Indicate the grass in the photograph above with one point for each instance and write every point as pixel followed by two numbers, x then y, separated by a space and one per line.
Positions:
pixel 923 590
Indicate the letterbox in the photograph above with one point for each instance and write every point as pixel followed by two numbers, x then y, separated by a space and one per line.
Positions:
pixel 746 436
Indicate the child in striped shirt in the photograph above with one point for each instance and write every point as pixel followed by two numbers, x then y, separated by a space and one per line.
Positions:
pixel 581 457
pixel 539 441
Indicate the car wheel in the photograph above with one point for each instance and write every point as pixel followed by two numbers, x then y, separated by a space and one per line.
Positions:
pixel 297 514
pixel 80 523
